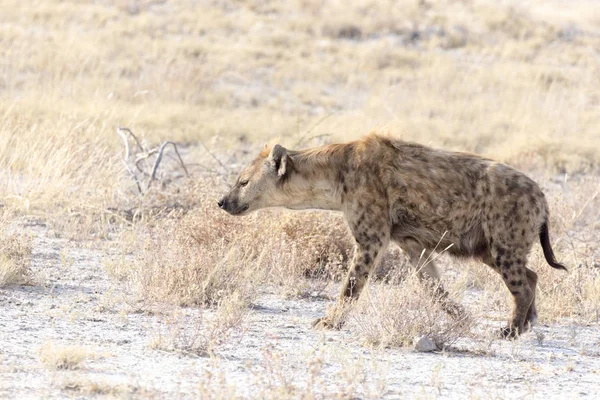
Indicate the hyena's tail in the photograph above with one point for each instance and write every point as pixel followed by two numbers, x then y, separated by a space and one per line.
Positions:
pixel 548 253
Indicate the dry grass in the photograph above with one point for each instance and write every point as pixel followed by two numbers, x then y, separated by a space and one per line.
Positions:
pixel 178 266
pixel 15 256
pixel 258 69
pixel 57 356
pixel 274 380
pixel 85 386
pixel 200 334
pixel 393 315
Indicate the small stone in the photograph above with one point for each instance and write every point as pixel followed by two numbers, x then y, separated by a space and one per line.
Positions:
pixel 424 344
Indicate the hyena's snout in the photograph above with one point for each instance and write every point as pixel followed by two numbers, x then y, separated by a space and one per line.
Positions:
pixel 232 206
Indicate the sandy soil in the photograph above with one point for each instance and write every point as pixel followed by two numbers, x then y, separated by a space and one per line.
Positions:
pixel 74 302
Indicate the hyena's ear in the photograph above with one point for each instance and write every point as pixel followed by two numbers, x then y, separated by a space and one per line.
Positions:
pixel 278 157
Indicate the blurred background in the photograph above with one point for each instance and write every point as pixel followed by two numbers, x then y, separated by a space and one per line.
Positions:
pixel 515 80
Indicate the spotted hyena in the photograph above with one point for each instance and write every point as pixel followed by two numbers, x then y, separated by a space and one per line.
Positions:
pixel 416 196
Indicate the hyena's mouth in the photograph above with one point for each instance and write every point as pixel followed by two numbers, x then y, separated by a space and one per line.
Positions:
pixel 239 210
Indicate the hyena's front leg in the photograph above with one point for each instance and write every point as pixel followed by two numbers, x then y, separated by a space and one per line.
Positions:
pixel 372 235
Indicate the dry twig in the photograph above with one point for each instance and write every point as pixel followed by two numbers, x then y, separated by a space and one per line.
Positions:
pixel 159 159
pixel 144 155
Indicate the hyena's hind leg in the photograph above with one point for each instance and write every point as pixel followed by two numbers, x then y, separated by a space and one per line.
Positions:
pixel 429 276
pixel 520 281
pixel 532 315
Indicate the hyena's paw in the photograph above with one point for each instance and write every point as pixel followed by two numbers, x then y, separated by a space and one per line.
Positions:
pixel 326 323
pixel 335 316
pixel 510 333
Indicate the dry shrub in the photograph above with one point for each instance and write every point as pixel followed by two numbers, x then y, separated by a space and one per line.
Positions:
pixel 393 315
pixel 15 255
pixel 575 223
pixel 301 252
pixel 192 261
pixel 63 356
pixel 323 240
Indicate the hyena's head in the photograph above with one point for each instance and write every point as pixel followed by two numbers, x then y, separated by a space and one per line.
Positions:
pixel 259 185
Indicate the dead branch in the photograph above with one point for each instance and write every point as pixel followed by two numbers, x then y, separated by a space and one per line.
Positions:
pixel 139 144
pixel 159 159
pixel 144 155
pixel 121 132
pixel 135 179
pixel 125 142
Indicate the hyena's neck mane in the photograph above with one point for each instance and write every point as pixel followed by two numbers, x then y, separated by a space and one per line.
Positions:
pixel 314 178
pixel 322 159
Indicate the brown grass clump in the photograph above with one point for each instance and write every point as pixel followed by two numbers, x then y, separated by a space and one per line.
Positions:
pixel 193 260
pixel 15 256
pixel 302 252
pixel 57 356
pixel 393 315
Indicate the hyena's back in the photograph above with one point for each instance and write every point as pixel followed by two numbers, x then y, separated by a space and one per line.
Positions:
pixel 438 198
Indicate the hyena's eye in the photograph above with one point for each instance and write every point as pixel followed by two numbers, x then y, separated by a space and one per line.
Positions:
pixel 243 183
